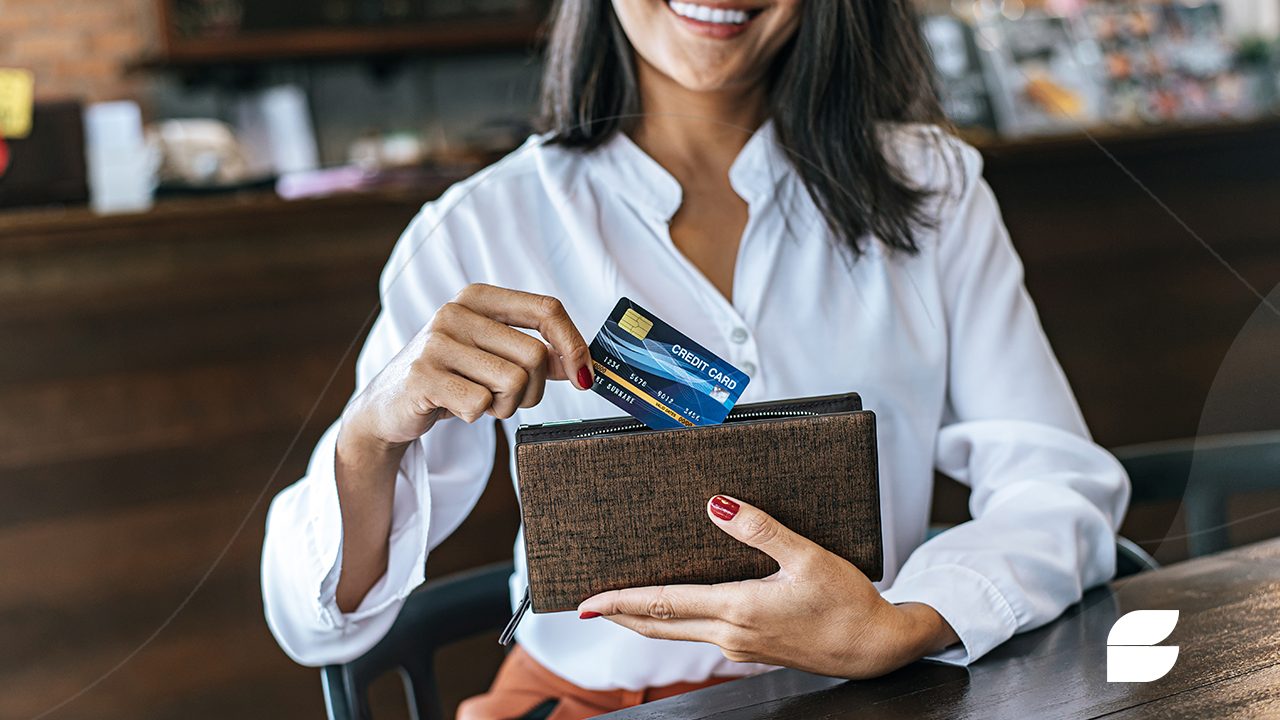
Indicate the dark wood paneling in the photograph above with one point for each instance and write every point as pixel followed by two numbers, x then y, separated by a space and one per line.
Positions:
pixel 159 367
pixel 1139 310
pixel 1140 313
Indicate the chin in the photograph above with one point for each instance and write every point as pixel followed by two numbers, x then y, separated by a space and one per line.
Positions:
pixel 696 70
pixel 708 82
pixel 709 45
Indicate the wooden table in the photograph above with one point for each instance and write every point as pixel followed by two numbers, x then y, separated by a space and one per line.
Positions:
pixel 1228 665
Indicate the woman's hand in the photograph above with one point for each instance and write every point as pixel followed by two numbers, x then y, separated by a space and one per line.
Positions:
pixel 470 362
pixel 818 613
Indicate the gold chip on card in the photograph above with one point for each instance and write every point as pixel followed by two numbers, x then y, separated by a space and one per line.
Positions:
pixel 636 324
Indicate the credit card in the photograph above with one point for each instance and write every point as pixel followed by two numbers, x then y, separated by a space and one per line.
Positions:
pixel 658 375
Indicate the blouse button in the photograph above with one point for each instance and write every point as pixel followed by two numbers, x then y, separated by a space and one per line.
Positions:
pixel 749 368
pixel 739 335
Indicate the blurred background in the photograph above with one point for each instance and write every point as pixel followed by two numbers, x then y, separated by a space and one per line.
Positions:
pixel 197 196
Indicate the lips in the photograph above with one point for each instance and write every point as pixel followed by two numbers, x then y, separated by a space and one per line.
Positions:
pixel 717 20
pixel 709 14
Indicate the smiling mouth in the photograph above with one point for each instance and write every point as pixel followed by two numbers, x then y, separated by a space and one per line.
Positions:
pixel 714 15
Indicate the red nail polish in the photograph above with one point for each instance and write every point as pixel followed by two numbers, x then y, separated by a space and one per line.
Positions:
pixel 724 508
pixel 588 615
pixel 584 377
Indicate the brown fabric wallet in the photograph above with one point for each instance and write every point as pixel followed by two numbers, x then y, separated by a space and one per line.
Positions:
pixel 611 504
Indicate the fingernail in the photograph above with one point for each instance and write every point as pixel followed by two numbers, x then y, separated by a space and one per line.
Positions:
pixel 588 615
pixel 584 377
pixel 724 508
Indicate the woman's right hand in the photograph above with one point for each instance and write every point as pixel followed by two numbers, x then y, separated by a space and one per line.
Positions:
pixel 470 361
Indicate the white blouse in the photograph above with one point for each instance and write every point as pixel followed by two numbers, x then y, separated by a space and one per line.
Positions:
pixel 945 346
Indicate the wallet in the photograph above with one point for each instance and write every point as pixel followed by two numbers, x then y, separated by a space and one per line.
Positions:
pixel 610 504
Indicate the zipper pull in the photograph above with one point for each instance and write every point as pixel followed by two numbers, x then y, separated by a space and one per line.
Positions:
pixel 509 633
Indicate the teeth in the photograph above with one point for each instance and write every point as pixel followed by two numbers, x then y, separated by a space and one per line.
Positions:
pixel 706 14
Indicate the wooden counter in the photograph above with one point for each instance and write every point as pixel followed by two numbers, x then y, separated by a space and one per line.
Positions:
pixel 163 376
pixel 143 315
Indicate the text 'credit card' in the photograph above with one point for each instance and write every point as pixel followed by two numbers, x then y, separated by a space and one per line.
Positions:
pixel 658 375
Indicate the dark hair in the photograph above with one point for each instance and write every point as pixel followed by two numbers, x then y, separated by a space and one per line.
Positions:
pixel 852 65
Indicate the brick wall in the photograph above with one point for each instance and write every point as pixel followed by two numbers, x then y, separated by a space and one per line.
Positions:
pixel 78 48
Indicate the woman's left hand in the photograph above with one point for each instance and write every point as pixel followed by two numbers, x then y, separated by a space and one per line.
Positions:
pixel 818 613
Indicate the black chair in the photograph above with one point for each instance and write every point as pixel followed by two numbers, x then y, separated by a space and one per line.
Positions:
pixel 1203 473
pixel 439 613
pixel 1131 559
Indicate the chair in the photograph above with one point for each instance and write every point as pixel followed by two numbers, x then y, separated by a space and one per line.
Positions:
pixel 1203 473
pixel 1131 559
pixel 439 613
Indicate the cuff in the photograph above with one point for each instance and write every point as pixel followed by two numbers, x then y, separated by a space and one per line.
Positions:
pixel 407 549
pixel 974 608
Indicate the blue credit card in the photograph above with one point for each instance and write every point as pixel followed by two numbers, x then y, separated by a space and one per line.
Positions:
pixel 658 375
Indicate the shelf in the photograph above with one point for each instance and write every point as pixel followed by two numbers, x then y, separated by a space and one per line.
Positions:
pixel 255 47
pixel 24 230
pixel 1153 138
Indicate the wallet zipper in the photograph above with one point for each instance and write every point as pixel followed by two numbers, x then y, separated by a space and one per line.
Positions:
pixel 760 415
pixel 509 632
pixel 777 409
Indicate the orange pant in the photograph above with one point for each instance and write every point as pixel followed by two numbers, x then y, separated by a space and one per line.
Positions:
pixel 523 684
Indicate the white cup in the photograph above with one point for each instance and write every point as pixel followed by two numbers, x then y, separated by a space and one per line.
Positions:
pixel 121 168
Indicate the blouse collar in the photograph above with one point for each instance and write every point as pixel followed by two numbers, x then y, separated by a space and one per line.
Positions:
pixel 629 170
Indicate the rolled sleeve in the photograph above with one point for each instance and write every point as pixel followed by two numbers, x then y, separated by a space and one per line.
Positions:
pixel 302 562
pixel 1046 500
pixel 439 479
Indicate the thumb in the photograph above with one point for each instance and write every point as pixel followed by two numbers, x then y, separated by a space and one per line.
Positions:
pixel 752 526
pixel 575 366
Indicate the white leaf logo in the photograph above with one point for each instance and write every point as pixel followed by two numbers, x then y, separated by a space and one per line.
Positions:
pixel 1131 656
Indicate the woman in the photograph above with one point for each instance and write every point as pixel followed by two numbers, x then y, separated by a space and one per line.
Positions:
pixel 764 175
